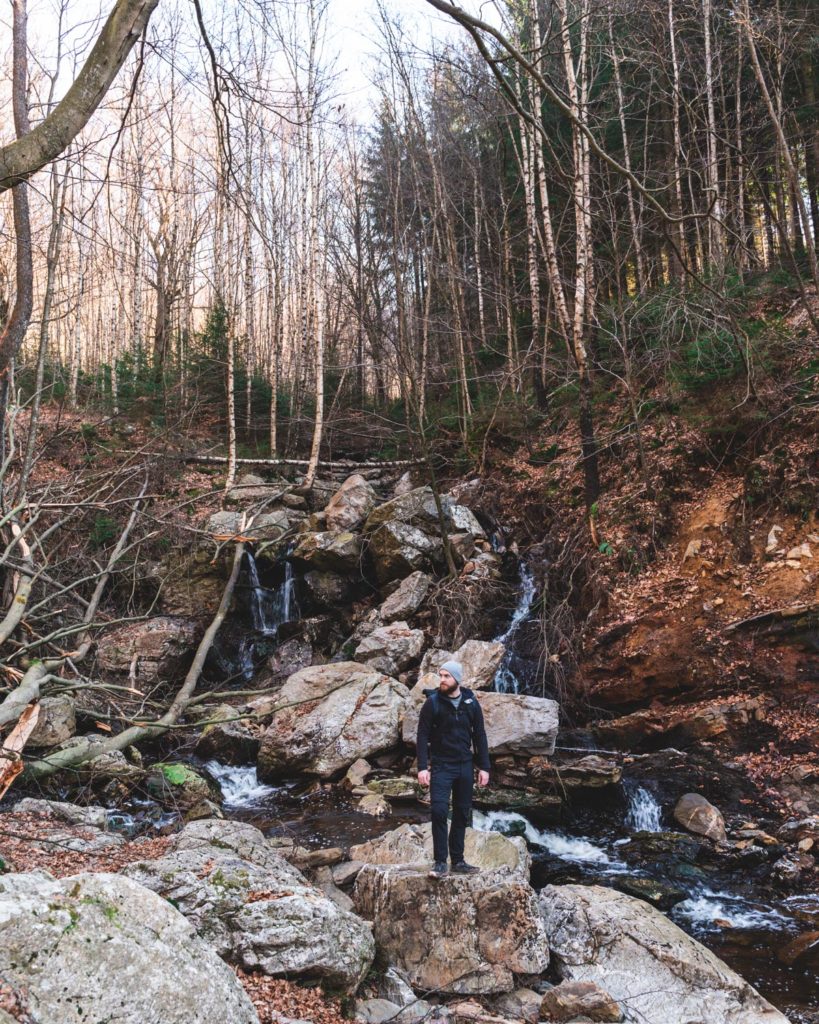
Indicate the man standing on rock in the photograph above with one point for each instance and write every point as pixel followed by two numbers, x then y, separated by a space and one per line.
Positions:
pixel 450 735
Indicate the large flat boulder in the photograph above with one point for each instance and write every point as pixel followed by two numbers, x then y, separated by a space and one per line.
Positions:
pixel 412 844
pixel 459 934
pixel 150 651
pixel 351 504
pixel 481 660
pixel 254 908
pixel 515 723
pixel 266 526
pixel 328 716
pixel 96 948
pixel 652 969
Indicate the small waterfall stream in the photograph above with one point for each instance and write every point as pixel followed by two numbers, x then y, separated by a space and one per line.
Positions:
pixel 269 608
pixel 644 813
pixel 262 611
pixel 239 784
pixel 505 679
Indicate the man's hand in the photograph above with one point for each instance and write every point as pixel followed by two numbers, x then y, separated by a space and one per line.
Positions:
pixel 423 778
pixel 483 779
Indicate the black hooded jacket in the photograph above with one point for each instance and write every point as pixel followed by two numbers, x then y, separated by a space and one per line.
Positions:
pixel 452 734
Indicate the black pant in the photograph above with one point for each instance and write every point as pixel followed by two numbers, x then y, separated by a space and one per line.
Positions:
pixel 456 778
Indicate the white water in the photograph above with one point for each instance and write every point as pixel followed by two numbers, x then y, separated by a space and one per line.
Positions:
pixel 505 679
pixel 269 608
pixel 711 911
pixel 576 849
pixel 644 813
pixel 239 784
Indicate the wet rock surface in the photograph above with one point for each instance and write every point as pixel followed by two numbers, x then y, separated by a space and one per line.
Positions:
pixel 655 972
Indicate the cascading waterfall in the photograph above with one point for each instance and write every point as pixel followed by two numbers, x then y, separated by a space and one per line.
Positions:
pixel 644 813
pixel 269 608
pixel 505 679
pixel 239 784
pixel 577 849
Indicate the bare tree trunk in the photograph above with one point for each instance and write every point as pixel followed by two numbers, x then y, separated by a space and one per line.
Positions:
pixel 15 330
pixel 58 193
pixel 716 226
pixel 787 157
pixel 639 262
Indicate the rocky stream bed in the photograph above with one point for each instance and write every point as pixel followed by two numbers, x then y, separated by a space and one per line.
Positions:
pixel 291 830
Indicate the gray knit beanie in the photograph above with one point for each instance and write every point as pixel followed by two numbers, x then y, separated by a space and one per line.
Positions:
pixel 455 669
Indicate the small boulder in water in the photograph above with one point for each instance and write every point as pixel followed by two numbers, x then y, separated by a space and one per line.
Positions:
pixel 696 814
pixel 178 787
pixel 375 805
pixel 227 737
pixel 660 894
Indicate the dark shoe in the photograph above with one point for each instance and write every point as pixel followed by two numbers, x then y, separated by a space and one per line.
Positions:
pixel 439 869
pixel 462 868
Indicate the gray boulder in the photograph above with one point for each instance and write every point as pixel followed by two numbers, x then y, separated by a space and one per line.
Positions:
pixel 325 551
pixel 464 934
pixel 56 722
pixel 96 948
pixel 480 659
pixel 266 526
pixel 351 504
pixel 398 549
pixel 391 648
pixel 74 814
pixel 657 973
pixel 249 488
pixel 328 716
pixel 150 651
pixel 254 908
pixel 407 597
pixel 515 723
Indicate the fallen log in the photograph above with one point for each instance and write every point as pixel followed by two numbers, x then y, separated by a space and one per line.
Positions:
pixel 775 615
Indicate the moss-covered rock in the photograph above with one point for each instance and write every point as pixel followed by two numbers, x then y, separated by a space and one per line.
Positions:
pixel 179 787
